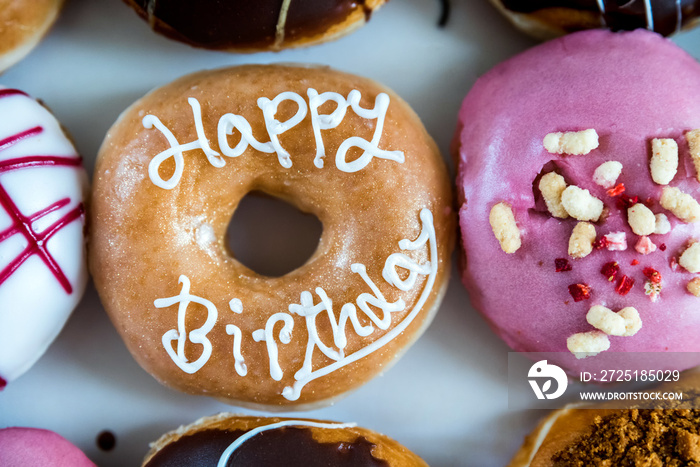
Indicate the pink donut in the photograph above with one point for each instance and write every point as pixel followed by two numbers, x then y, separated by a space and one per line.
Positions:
pixel 21 447
pixel 558 288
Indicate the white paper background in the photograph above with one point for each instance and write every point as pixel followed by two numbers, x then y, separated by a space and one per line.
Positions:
pixel 446 399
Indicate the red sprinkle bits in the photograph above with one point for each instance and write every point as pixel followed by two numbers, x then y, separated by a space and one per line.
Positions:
pixel 662 247
pixel 625 202
pixel 625 285
pixel 580 292
pixel 601 243
pixel 634 262
pixel 653 275
pixel 610 270
pixel 562 265
pixel 616 190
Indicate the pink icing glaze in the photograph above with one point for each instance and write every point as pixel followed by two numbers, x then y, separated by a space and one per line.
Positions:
pixel 629 87
pixel 20 447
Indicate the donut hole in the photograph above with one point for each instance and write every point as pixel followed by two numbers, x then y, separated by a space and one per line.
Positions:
pixel 270 236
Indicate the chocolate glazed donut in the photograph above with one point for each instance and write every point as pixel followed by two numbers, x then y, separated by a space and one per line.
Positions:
pixel 248 26
pixel 228 440
pixel 549 18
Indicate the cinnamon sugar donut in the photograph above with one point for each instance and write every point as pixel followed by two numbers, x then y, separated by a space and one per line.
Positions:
pixel 22 25
pixel 168 179
pixel 653 432
pixel 251 26
pixel 236 440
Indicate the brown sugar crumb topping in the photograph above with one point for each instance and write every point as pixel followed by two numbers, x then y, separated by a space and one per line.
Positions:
pixel 633 437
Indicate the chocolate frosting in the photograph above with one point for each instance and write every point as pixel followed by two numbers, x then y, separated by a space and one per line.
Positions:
pixel 220 24
pixel 667 16
pixel 288 446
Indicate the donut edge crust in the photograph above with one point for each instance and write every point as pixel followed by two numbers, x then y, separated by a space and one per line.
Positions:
pixel 13 51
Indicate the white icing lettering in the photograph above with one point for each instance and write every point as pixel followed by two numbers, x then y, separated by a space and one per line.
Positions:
pixel 426 238
pixel 275 127
pixel 366 302
pixel 176 149
pixel 232 330
pixel 324 121
pixel 226 455
pixel 319 121
pixel 226 125
pixel 370 148
pixel 198 336
pixel 266 335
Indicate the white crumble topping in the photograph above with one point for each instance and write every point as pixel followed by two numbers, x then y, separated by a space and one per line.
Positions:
pixel 663 226
pixel 641 219
pixel 572 142
pixel 694 286
pixel 645 246
pixel 616 241
pixel 690 259
pixel 606 320
pixel 581 240
pixel 588 344
pixel 664 160
pixel 682 205
pixel 504 227
pixel 693 138
pixel 607 173
pixel 581 204
pixel 652 290
pixel 633 323
pixel 552 185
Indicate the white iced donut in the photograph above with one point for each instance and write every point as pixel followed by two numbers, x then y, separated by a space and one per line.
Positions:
pixel 42 252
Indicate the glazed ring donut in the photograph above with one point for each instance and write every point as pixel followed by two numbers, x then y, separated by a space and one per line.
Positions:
pixel 43 270
pixel 252 26
pixel 228 440
pixel 546 19
pixel 667 434
pixel 22 25
pixel 168 179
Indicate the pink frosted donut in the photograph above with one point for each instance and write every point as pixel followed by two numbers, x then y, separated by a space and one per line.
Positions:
pixel 22 447
pixel 575 259
pixel 42 254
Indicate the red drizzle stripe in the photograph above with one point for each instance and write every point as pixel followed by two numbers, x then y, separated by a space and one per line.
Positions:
pixel 21 224
pixel 7 142
pixel 39 161
pixel 12 92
